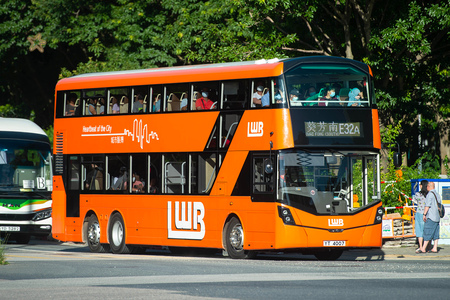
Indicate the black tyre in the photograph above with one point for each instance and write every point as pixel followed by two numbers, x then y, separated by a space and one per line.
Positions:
pixel 93 236
pixel 22 238
pixel 234 240
pixel 328 254
pixel 117 234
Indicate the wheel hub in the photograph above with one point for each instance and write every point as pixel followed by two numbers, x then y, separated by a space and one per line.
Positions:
pixel 94 234
pixel 237 237
pixel 117 233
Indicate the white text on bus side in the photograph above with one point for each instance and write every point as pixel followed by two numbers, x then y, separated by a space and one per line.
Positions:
pixel 255 129
pixel 187 220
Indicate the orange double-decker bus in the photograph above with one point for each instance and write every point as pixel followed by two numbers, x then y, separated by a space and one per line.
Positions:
pixel 249 156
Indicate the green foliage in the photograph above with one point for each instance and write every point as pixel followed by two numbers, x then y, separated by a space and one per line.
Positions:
pixel 8 111
pixel 2 251
pixel 398 181
pixel 49 132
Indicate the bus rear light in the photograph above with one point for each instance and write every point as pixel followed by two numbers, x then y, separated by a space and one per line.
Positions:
pixel 285 214
pixel 379 215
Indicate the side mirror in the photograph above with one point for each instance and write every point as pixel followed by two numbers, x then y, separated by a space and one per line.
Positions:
pixel 268 167
pixel 397 159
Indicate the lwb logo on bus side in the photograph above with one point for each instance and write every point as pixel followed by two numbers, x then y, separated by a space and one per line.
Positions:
pixel 255 129
pixel 187 220
pixel 336 222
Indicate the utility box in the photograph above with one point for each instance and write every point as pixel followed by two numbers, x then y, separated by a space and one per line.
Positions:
pixel 442 186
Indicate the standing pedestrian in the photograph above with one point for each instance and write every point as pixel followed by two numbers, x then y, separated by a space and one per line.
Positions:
pixel 431 219
pixel 419 199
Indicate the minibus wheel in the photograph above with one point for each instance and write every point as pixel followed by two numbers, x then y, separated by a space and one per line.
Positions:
pixel 93 236
pixel 117 235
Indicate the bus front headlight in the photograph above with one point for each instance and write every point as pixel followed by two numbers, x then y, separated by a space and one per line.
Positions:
pixel 43 214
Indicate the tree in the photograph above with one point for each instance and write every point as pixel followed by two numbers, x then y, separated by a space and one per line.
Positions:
pixel 406 42
pixel 412 59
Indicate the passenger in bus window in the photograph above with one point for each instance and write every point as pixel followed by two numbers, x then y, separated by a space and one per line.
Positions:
pixel 115 105
pixel 138 105
pixel 92 106
pixel 102 106
pixel 330 94
pixel 354 96
pixel 294 95
pixel 94 179
pixel 184 102
pixel 265 100
pixel 310 95
pixel 100 102
pixel 204 103
pixel 138 185
pixel 70 107
pixel 156 107
pixel 154 186
pixel 256 99
pixel 121 182
pixel 343 96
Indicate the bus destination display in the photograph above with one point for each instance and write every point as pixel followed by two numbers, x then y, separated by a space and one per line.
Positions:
pixel 333 129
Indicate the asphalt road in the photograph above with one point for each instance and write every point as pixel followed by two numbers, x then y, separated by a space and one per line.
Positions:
pixel 55 270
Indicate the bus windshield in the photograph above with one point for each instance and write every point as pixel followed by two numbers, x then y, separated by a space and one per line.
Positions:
pixel 328 85
pixel 24 167
pixel 325 182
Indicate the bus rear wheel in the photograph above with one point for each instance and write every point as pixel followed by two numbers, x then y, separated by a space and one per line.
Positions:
pixel 329 254
pixel 117 235
pixel 234 240
pixel 93 236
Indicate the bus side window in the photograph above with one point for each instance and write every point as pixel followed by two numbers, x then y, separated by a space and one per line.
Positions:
pixel 259 86
pixel 203 172
pixel 118 173
pixel 175 168
pixel 74 173
pixel 177 97
pixel 139 174
pixel 93 172
pixel 263 178
pixel 208 95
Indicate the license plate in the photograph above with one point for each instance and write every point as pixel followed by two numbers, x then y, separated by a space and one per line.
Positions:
pixel 334 243
pixel 9 228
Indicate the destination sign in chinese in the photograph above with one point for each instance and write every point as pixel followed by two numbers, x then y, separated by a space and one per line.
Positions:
pixel 324 129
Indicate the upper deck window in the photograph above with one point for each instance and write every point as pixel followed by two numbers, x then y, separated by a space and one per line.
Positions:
pixel 337 85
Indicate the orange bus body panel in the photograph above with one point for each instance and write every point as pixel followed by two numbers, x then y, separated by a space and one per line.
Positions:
pixel 137 133
pixel 376 129
pixel 59 209
pixel 258 127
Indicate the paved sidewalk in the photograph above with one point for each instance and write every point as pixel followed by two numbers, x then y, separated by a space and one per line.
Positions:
pixel 391 252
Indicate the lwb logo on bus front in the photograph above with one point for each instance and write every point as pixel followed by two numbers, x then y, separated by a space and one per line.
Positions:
pixel 336 222
pixel 189 222
pixel 255 129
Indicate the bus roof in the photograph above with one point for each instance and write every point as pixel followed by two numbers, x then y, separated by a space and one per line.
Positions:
pixel 195 73
pixel 20 125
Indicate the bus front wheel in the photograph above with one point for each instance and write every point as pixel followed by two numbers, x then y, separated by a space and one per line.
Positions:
pixel 328 254
pixel 117 235
pixel 234 240
pixel 93 236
